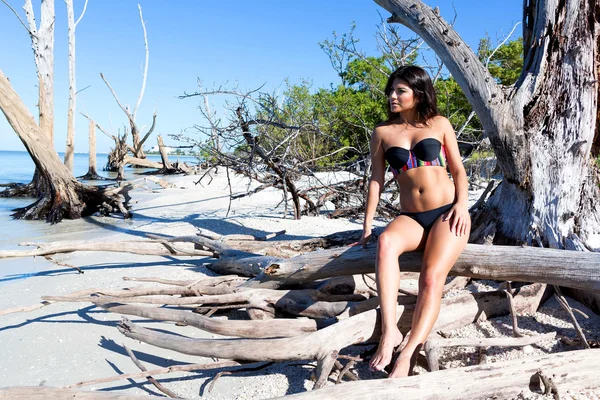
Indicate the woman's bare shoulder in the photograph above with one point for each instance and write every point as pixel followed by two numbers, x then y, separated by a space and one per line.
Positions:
pixel 441 122
pixel 381 130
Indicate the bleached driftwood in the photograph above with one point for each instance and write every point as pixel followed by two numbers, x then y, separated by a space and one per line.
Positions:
pixel 238 328
pixel 142 162
pixel 142 247
pixel 306 302
pixel 509 263
pixel 563 373
pixel 324 345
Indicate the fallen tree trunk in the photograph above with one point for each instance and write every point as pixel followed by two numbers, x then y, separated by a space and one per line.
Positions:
pixel 556 374
pixel 573 269
pixel 142 162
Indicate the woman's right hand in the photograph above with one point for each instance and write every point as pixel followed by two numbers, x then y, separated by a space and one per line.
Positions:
pixel 364 238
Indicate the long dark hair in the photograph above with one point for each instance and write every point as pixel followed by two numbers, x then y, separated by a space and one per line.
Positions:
pixel 419 81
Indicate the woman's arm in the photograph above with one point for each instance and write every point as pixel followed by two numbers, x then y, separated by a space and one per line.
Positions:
pixel 461 221
pixel 375 183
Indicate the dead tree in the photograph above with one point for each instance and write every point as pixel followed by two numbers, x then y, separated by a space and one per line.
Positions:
pixel 137 139
pixel 550 191
pixel 92 173
pixel 269 149
pixel 42 44
pixel 167 167
pixel 70 148
pixel 65 197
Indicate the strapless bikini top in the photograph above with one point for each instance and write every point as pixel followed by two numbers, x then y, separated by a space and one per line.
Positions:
pixel 428 151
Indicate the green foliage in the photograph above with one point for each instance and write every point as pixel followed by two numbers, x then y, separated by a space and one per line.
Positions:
pixel 506 62
pixel 326 120
pixel 453 104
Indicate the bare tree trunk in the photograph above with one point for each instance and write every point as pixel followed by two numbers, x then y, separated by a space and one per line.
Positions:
pixel 42 43
pixel 92 173
pixel 66 198
pixel 72 25
pixel 541 129
pixel 163 154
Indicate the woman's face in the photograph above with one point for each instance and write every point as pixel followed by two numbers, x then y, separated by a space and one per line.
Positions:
pixel 402 97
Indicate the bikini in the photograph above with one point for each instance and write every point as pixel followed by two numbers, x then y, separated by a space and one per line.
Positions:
pixel 428 152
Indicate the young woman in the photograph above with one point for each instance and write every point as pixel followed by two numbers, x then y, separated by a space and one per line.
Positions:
pixel 419 145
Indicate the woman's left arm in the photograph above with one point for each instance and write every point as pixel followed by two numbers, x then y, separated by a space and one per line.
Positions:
pixel 460 221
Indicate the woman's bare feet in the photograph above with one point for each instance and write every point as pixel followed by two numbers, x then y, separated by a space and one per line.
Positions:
pixel 401 367
pixel 383 355
pixel 405 363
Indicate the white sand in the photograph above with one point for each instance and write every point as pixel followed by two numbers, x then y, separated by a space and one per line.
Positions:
pixel 65 343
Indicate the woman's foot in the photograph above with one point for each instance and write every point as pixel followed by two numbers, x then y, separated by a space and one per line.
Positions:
pixel 405 363
pixel 383 355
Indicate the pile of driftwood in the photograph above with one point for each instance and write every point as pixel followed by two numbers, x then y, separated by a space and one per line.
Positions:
pixel 309 304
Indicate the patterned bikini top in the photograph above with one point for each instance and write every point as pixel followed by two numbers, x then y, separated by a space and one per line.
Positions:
pixel 428 151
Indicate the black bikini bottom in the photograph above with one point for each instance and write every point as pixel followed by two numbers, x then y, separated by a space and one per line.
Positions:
pixel 427 218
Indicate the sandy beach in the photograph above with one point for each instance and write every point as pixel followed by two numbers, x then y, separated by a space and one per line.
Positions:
pixel 65 343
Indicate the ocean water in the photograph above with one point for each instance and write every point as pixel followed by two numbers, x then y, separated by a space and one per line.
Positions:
pixel 17 167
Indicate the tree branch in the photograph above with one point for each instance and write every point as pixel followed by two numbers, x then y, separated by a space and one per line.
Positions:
pixel 82 13
pixel 147 135
pixel 18 16
pixel 113 137
pixel 481 89
pixel 125 110
pixel 145 76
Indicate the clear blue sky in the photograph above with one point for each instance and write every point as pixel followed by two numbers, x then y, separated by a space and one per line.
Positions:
pixel 248 42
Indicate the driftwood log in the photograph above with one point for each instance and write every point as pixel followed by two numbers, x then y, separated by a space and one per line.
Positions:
pixel 554 374
pixel 507 263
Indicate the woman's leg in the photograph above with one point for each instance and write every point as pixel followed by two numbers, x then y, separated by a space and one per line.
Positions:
pixel 402 234
pixel 441 252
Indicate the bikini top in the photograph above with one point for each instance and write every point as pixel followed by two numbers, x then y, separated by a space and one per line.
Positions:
pixel 428 151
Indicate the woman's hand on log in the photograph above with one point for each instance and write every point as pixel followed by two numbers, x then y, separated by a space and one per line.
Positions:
pixel 460 220
pixel 365 238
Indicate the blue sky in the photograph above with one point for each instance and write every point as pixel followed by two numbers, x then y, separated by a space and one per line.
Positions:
pixel 248 43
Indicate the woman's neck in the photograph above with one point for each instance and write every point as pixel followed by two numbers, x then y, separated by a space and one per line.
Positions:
pixel 409 117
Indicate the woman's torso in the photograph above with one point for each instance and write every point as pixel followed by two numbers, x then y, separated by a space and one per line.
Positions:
pixel 423 187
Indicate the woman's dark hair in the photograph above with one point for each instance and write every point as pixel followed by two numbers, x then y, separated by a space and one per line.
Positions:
pixel 419 81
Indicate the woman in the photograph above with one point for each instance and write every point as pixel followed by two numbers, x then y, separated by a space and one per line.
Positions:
pixel 418 144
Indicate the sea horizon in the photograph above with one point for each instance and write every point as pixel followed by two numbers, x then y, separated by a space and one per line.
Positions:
pixel 18 167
